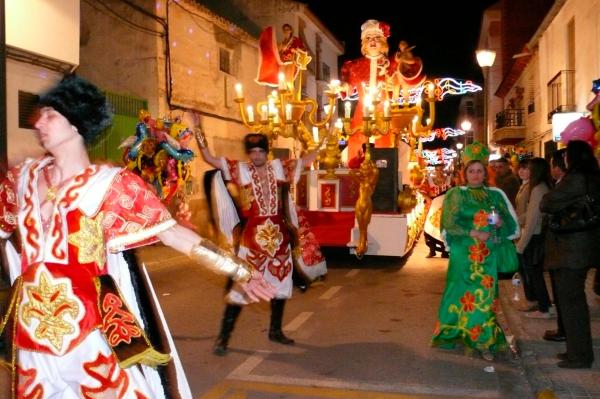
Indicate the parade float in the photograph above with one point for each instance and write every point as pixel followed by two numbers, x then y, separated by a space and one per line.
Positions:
pixel 375 209
pixel 160 154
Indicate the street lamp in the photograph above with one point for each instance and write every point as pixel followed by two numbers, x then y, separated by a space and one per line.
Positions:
pixel 485 59
pixel 459 147
pixel 466 127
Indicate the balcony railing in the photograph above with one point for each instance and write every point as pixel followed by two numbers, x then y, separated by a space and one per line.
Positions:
pixel 510 127
pixel 561 93
pixel 510 118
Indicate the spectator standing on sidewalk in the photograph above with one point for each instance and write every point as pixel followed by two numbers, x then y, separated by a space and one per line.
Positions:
pixel 506 179
pixel 558 170
pixel 572 254
pixel 521 201
pixel 467 313
pixel 530 245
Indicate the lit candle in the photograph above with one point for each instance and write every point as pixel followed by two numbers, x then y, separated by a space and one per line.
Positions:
pixel 281 77
pixel 315 134
pixel 347 109
pixel 272 109
pixel 238 90
pixel 431 90
pixel 264 112
pixel 334 85
pixel 250 112
pixel 386 108
pixel 288 112
pixel 326 109
pixel 367 105
pixel 339 124
pixel 373 72
pixel 372 111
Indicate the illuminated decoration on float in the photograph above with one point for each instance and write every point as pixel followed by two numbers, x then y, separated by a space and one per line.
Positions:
pixel 443 88
pixel 286 112
pixel 451 86
pixel 442 133
pixel 440 155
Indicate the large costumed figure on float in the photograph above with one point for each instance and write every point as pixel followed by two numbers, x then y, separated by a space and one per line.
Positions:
pixel 364 75
pixel 278 58
pixel 81 322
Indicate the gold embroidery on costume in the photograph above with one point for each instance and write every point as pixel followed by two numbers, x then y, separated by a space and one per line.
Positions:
pixel 246 198
pixel 49 304
pixel 269 237
pixel 89 241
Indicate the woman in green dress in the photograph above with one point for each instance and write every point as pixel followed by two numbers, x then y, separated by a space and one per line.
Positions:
pixel 478 242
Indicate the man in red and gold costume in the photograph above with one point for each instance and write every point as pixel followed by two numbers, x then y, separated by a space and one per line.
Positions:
pixel 372 69
pixel 267 216
pixel 74 322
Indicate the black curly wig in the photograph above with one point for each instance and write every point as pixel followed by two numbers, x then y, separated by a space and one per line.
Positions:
pixel 253 140
pixel 84 106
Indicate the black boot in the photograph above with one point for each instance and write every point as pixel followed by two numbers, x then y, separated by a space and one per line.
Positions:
pixel 229 317
pixel 275 333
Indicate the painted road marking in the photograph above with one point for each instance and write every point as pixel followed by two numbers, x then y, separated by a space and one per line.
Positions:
pixel 331 292
pixel 226 388
pixel 249 364
pixel 298 321
pixel 352 273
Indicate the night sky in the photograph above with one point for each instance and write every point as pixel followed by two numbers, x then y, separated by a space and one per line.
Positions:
pixel 445 35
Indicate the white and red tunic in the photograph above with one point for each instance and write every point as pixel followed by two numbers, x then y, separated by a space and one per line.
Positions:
pixel 61 339
pixel 265 241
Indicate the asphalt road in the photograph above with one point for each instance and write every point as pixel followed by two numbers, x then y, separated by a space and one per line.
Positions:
pixel 362 333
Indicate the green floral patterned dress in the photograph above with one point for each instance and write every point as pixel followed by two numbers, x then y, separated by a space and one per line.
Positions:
pixel 467 311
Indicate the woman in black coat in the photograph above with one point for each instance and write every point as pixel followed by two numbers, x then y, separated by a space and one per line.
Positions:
pixel 572 254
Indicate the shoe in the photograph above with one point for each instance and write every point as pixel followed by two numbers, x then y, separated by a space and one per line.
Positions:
pixel 487 355
pixel 554 336
pixel 445 255
pixel 552 310
pixel 562 356
pixel 529 307
pixel 302 287
pixel 538 315
pixel 220 347
pixel 275 333
pixel 279 337
pixel 568 364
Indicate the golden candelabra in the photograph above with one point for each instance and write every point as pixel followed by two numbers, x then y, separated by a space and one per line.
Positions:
pixel 286 113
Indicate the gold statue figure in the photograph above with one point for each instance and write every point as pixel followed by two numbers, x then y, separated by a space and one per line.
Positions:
pixel 367 174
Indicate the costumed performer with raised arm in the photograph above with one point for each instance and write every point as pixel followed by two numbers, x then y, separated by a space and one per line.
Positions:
pixel 267 214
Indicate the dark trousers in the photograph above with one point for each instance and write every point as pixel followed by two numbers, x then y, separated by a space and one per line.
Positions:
pixel 575 314
pixel 532 261
pixel 526 281
pixel 434 244
pixel 560 328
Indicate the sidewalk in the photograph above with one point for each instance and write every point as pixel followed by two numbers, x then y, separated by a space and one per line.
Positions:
pixel 539 356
